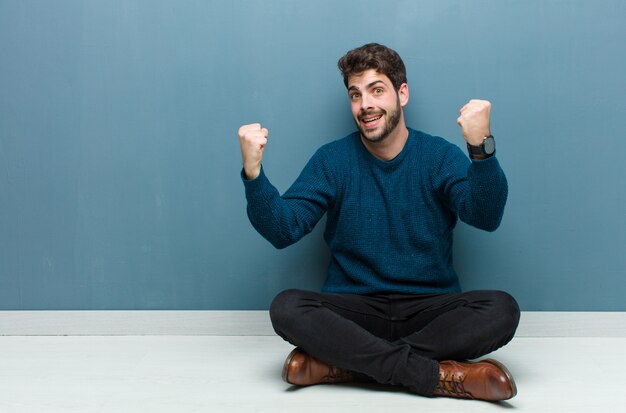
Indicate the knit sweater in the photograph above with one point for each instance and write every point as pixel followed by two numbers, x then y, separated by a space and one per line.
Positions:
pixel 389 225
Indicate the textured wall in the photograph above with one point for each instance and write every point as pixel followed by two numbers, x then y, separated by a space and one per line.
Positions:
pixel 119 163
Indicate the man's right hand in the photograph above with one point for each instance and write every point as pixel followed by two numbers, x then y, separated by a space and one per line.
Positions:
pixel 252 139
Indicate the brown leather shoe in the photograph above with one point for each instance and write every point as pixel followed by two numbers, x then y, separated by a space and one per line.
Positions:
pixel 302 369
pixel 483 380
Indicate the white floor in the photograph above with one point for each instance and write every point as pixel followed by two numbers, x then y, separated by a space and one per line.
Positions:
pixel 242 374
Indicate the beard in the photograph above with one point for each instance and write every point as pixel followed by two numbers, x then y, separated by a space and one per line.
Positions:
pixel 392 119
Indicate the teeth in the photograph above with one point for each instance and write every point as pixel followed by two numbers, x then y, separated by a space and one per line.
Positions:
pixel 372 120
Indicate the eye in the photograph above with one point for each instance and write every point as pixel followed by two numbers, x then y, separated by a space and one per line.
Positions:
pixel 355 96
pixel 378 90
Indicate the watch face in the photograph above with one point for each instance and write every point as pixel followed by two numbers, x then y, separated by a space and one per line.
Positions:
pixel 489 144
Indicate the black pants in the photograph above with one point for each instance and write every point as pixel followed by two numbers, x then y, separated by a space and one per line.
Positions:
pixel 395 338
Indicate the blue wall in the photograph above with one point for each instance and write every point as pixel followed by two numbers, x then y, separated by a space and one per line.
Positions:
pixel 119 163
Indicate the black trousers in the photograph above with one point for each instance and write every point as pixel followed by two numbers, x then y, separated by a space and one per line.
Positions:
pixel 395 339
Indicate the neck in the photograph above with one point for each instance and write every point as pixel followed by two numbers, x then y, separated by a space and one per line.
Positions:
pixel 390 147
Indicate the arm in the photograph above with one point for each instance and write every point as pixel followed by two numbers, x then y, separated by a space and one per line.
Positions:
pixel 477 191
pixel 285 219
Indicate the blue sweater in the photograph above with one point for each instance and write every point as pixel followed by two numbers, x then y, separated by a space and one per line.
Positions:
pixel 389 225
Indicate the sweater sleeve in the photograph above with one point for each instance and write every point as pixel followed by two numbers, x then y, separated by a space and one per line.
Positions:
pixel 283 220
pixel 476 190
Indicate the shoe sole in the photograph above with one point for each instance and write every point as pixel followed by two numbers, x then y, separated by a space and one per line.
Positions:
pixel 288 362
pixel 507 373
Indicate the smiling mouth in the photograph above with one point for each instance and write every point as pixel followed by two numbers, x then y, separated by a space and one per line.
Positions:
pixel 370 119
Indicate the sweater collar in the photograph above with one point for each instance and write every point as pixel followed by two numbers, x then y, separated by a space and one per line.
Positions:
pixel 390 163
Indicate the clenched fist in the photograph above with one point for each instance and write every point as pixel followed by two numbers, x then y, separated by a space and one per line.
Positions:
pixel 252 139
pixel 474 121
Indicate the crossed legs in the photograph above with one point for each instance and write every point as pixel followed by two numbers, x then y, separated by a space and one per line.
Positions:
pixel 395 339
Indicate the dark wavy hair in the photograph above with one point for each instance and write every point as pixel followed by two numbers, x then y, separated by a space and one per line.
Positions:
pixel 373 56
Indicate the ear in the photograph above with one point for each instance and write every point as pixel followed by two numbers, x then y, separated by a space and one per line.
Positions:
pixel 403 94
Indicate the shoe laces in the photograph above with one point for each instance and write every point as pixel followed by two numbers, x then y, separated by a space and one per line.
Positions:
pixel 336 374
pixel 452 385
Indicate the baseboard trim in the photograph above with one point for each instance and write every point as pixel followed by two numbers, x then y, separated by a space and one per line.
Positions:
pixel 257 323
pixel 95 323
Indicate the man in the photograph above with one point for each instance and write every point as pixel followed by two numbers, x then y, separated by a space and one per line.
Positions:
pixel 391 309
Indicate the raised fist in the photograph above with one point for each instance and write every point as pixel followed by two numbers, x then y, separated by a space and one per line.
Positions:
pixel 474 121
pixel 252 139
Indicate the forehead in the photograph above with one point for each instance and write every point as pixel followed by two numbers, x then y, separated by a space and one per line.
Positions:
pixel 360 80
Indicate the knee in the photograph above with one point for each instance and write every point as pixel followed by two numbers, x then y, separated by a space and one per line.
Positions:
pixel 507 311
pixel 283 309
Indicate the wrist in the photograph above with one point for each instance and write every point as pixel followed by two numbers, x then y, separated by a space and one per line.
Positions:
pixel 252 172
pixel 486 148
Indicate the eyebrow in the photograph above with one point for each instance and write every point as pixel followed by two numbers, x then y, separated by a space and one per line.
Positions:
pixel 353 87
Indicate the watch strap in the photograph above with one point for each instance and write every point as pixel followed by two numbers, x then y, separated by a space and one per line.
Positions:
pixel 478 152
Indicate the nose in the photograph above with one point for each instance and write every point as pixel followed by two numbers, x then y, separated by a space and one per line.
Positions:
pixel 365 102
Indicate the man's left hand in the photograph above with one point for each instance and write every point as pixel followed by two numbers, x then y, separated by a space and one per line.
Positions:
pixel 474 121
